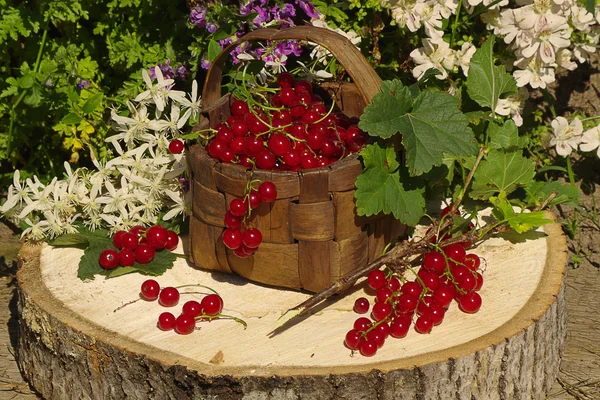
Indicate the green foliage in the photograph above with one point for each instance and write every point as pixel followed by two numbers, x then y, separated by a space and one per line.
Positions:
pixel 519 221
pixel 487 82
pixel 502 172
pixel 94 243
pixel 431 124
pixel 385 186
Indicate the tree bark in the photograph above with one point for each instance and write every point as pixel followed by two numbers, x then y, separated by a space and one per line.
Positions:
pixel 67 352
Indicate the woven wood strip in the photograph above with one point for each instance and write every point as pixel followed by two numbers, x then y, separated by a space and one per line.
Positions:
pixel 349 254
pixel 314 265
pixel 226 184
pixel 201 165
pixel 343 174
pixel 382 232
pixel 261 219
pixel 347 97
pixel 346 222
pixel 281 227
pixel 273 264
pixel 313 221
pixel 208 205
pixel 288 183
pixel 202 245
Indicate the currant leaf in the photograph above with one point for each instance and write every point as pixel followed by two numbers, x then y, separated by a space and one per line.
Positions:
pixel 538 192
pixel 505 136
pixel 431 124
pixel 487 82
pixel 501 171
pixel 519 221
pixel 385 186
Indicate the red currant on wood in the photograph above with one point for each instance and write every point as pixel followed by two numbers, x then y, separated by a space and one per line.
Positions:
pixel 185 324
pixel 144 253
pixel 109 259
pixel 172 240
pixel 212 304
pixel 268 191
pixel 166 321
pixel 150 290
pixel 192 307
pixel 168 297
pixel 361 305
pixel 376 279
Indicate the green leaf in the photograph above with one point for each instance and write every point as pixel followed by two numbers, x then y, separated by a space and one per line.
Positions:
pixel 505 136
pixel 92 103
pixel 538 192
pixel 71 119
pixel 71 240
pixel 384 186
pixel 26 81
pixel 214 49
pixel 487 82
pixel 89 266
pixel 163 260
pixel 520 222
pixel 34 98
pixel 431 124
pixel 381 118
pixel 501 171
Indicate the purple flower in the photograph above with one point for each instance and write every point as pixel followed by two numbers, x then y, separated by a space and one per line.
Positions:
pixel 185 185
pixel 262 17
pixel 211 27
pixel 225 42
pixel 49 83
pixel 308 8
pixel 181 71
pixel 198 16
pixel 287 10
pixel 83 83
pixel 167 71
pixel 204 63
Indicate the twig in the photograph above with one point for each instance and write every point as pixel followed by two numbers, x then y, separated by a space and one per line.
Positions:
pixel 468 180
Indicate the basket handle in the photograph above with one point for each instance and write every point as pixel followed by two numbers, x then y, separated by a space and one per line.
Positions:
pixel 364 76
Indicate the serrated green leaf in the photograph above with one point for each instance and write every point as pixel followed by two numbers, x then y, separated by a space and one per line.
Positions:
pixel 381 118
pixel 214 49
pixel 88 264
pixel 432 125
pixel 71 119
pixel 384 186
pixel 487 82
pixel 501 171
pixel 34 97
pixel 520 222
pixel 505 136
pixel 538 192
pixel 26 81
pixel 433 129
pixel 92 103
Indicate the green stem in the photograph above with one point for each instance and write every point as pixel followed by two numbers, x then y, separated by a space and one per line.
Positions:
pixel 590 118
pixel 455 24
pixel 550 101
pixel 570 172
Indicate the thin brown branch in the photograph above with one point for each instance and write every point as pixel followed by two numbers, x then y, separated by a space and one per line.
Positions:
pixel 468 180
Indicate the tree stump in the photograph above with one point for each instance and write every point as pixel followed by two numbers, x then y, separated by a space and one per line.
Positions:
pixel 74 345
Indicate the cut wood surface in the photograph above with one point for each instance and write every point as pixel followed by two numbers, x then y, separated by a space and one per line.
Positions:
pixel 73 345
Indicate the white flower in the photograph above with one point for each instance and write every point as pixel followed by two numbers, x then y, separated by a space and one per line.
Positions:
pixel 566 136
pixel 159 92
pixel 179 206
pixel 591 140
pixel 115 199
pixel 173 124
pixel 40 200
pixel 17 193
pixel 533 73
pixel 554 34
pixel 313 76
pixel 319 52
pixel 37 229
pixel 513 106
pixel 564 60
pixel 464 55
pixel 194 105
pixel 584 49
pixel 581 18
pixel 435 54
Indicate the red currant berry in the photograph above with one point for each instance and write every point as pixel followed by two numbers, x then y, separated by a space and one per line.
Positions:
pixel 377 337
pixel 176 146
pixel 265 160
pixel 469 302
pixel 444 294
pixel 434 262
pixel 109 259
pixel 192 307
pixel 268 192
pixel 361 305
pixel 150 290
pixel 472 261
pixel 239 108
pixel 144 253
pixel 232 238
pixel 413 288
pixel 394 284
pixel 436 312
pixel 285 79
pixel 407 303
pixel 232 221
pixel 156 236
pixel 400 326
pixel 431 280
pixel 212 304
pixel 238 207
pixel 368 348
pixel 166 321
pixel 303 86
pixel 353 339
pixel 126 258
pixel 376 279
pixel 362 324
pixel 383 294
pixel 467 282
pixel 381 311
pixel 168 297
pixel 455 252
pixel 254 199
pixel 185 324
pixel 424 324
pixel 479 282
pixel 138 230
pixel 172 240
pixel 117 239
pixel 130 241
pixel 252 238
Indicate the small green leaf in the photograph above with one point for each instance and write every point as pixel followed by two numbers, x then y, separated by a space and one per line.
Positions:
pixel 538 192
pixel 92 103
pixel 501 171
pixel 505 136
pixel 34 98
pixel 71 119
pixel 384 186
pixel 214 49
pixel 487 82
pixel 519 221
pixel 163 260
pixel 26 81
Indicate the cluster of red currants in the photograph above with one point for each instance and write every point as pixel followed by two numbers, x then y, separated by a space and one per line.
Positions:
pixel 137 245
pixel 237 236
pixel 446 275
pixel 209 307
pixel 295 131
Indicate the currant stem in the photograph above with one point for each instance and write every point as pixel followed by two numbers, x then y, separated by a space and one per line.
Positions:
pixel 222 316
pixel 197 285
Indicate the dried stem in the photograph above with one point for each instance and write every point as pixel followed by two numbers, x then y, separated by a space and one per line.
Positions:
pixel 468 180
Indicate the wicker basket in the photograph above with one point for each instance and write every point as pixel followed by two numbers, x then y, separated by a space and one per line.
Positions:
pixel 311 234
